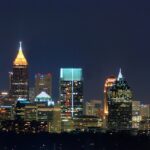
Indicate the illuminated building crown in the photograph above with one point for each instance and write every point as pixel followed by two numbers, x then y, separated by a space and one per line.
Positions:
pixel 120 76
pixel 20 59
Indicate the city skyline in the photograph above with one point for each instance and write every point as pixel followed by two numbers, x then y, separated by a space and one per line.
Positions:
pixel 54 90
pixel 74 74
pixel 99 37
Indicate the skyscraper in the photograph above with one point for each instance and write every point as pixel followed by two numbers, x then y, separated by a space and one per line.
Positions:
pixel 43 82
pixel 120 105
pixel 108 84
pixel 19 86
pixel 71 92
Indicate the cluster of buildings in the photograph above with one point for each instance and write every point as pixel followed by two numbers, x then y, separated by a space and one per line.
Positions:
pixel 25 109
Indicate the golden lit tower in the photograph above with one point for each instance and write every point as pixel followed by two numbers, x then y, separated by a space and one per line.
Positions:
pixel 108 83
pixel 19 77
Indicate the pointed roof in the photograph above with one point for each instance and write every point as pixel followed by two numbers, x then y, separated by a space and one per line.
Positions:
pixel 20 59
pixel 120 76
pixel 43 94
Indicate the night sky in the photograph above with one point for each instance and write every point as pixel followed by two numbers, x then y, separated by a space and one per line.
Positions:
pixel 99 36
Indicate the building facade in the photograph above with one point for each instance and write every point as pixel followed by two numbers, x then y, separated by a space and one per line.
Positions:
pixel 86 122
pixel 120 105
pixel 93 108
pixel 108 84
pixel 136 114
pixel 145 117
pixel 71 92
pixel 43 82
pixel 19 84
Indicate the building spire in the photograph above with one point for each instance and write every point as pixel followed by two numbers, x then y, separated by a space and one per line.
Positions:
pixel 20 48
pixel 120 76
pixel 20 59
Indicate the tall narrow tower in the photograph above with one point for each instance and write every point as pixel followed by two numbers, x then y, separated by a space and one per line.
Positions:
pixel 108 84
pixel 19 77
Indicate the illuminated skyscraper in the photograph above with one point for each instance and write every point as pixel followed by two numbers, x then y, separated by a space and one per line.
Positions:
pixel 19 87
pixel 43 82
pixel 71 92
pixel 108 83
pixel 120 105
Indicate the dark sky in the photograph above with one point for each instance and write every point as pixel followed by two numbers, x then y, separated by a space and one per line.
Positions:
pixel 99 36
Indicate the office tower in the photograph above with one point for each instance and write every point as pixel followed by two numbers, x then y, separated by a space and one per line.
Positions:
pixel 31 94
pixel 145 117
pixel 19 87
pixel 108 84
pixel 71 92
pixel 93 108
pixel 136 115
pixel 145 111
pixel 43 82
pixel 120 105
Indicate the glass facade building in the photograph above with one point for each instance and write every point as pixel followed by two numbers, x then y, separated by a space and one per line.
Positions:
pixel 108 84
pixel 120 105
pixel 71 92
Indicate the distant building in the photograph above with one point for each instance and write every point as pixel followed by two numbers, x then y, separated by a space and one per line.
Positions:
pixel 19 110
pixel 67 124
pixel 93 108
pixel 145 111
pixel 53 117
pixel 145 117
pixel 87 122
pixel 19 84
pixel 43 82
pixel 136 114
pixel 31 94
pixel 39 113
pixel 30 112
pixel 6 112
pixel 120 105
pixel 108 84
pixel 43 97
pixel 71 92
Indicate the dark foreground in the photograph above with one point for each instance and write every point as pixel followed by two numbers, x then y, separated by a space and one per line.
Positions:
pixel 74 141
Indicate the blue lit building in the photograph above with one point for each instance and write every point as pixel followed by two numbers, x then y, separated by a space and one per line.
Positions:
pixel 71 92
pixel 43 97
